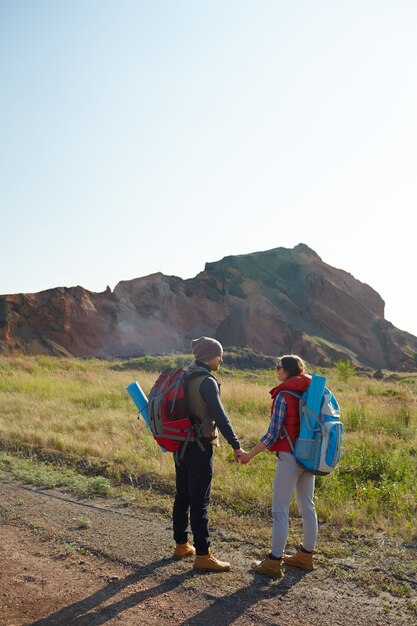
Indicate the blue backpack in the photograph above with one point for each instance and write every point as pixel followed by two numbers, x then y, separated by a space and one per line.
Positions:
pixel 318 446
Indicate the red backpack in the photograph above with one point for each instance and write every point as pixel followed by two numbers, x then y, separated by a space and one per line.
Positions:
pixel 170 421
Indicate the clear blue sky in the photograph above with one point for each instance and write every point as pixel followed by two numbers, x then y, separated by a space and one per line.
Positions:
pixel 143 136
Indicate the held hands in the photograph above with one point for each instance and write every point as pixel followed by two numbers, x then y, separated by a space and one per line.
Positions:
pixel 237 454
pixel 244 458
pixel 241 456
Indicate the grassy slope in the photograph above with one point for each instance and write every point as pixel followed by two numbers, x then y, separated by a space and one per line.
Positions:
pixel 78 413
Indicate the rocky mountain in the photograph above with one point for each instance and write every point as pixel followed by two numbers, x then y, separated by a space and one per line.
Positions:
pixel 278 301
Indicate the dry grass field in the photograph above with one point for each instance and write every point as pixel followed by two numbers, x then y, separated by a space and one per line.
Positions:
pixel 70 422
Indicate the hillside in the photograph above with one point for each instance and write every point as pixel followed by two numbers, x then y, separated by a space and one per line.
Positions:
pixel 281 300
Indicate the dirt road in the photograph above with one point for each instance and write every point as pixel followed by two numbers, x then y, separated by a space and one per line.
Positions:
pixel 65 560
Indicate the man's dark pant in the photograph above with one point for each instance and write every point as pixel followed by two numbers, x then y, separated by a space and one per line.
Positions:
pixel 193 484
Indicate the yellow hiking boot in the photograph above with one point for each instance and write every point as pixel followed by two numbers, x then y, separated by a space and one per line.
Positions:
pixel 209 563
pixel 183 550
pixel 301 559
pixel 269 567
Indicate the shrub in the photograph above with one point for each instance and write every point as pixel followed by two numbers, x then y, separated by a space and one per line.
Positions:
pixel 101 486
pixel 344 370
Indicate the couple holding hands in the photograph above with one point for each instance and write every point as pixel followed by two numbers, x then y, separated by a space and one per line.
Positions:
pixel 194 472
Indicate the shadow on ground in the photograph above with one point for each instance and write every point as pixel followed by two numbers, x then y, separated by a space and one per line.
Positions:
pixel 228 608
pixel 224 610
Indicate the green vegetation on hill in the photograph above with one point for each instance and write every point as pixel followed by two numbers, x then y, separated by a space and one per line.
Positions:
pixel 234 359
pixel 76 414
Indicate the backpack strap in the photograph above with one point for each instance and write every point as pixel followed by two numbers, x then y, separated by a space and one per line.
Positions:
pixel 288 438
pixel 293 393
pixel 307 413
pixel 176 388
pixel 198 372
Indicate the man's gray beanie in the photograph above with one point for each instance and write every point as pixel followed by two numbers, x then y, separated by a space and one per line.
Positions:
pixel 206 348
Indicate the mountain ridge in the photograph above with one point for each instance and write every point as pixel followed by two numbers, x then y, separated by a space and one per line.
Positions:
pixel 275 301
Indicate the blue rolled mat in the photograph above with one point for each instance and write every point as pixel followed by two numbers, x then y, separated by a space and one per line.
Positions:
pixel 315 393
pixel 141 401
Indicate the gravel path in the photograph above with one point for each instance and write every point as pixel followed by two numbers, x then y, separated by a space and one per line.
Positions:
pixel 119 570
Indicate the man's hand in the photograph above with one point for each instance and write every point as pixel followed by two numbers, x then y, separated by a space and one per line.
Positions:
pixel 238 453
pixel 244 457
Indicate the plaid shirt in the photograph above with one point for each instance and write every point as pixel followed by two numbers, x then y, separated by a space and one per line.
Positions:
pixel 277 420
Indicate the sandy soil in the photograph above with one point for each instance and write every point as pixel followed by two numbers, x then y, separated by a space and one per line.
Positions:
pixel 119 570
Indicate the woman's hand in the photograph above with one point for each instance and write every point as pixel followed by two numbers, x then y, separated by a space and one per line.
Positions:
pixel 245 457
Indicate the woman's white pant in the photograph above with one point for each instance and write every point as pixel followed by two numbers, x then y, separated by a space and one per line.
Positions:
pixel 289 477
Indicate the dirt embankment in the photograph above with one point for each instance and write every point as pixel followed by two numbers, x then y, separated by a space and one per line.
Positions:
pixel 87 562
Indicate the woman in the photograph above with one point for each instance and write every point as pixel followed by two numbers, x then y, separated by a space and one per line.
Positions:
pixel 285 426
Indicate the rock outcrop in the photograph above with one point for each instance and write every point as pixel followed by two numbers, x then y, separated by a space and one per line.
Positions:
pixel 281 300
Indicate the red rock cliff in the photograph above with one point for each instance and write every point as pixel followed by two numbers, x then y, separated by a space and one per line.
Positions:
pixel 281 300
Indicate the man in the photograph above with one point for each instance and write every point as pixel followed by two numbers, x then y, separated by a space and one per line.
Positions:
pixel 194 471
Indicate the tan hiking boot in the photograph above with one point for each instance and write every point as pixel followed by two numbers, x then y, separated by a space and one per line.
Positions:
pixel 301 559
pixel 269 567
pixel 183 550
pixel 209 563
